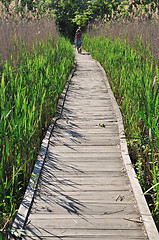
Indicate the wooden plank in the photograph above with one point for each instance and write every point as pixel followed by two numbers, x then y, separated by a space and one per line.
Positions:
pixel 87 233
pixel 105 224
pixel 72 169
pixel 113 213
pixel 88 130
pixel 65 208
pixel 48 198
pixel 109 141
pixel 85 149
pixel 83 187
pixel 97 165
pixel 86 180
pixel 86 158
pixel 57 172
pixel 91 237
pixel 114 234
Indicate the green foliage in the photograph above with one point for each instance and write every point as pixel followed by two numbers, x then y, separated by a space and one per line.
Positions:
pixel 134 79
pixel 6 3
pixel 100 8
pixel 30 3
pixel 70 15
pixel 28 101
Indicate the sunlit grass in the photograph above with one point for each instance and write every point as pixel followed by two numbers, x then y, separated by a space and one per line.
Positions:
pixel 28 102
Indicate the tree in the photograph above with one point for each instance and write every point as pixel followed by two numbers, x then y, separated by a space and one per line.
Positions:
pixel 71 14
pixel 68 14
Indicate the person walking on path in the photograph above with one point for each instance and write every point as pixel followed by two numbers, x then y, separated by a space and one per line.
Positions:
pixel 78 40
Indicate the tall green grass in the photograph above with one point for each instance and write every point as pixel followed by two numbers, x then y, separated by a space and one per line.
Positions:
pixel 134 79
pixel 28 98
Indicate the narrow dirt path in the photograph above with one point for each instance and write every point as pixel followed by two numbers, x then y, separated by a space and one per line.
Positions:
pixel 84 191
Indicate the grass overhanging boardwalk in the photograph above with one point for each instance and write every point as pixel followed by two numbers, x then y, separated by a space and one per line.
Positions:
pixel 84 191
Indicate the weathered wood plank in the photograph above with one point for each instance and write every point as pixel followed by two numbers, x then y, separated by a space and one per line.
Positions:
pixel 88 130
pixel 91 223
pixel 85 149
pixel 114 234
pixel 109 141
pixel 113 213
pixel 92 237
pixel 85 157
pixel 97 207
pixel 86 180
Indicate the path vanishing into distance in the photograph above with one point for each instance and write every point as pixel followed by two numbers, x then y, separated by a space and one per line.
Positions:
pixel 84 191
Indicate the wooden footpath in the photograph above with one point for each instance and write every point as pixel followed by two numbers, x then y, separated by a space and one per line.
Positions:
pixel 84 191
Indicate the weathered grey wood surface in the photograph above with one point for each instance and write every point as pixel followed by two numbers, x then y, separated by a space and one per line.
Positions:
pixel 84 191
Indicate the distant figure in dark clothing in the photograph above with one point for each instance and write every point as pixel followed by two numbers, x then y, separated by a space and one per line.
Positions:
pixel 78 40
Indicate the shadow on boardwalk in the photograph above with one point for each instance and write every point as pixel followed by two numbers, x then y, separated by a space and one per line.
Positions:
pixel 51 191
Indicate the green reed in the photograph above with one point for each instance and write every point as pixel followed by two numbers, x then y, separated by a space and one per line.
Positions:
pixel 28 98
pixel 134 79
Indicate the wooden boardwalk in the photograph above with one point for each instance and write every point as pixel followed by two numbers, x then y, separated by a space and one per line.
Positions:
pixel 84 191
